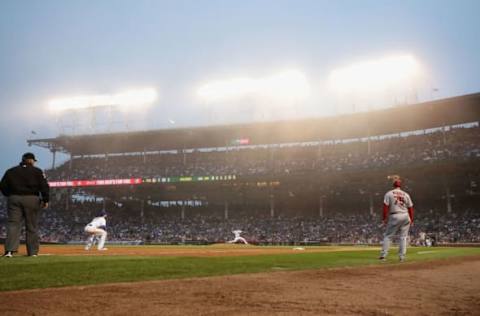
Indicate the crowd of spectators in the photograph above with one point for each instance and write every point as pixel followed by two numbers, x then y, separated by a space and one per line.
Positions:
pixel 459 144
pixel 59 225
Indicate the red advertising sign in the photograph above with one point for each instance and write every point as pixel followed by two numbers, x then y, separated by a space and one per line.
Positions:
pixel 90 183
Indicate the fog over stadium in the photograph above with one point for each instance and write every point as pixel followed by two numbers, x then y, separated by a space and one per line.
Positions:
pixel 172 64
pixel 246 157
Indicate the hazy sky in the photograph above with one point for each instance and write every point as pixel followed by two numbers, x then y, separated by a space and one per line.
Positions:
pixel 67 48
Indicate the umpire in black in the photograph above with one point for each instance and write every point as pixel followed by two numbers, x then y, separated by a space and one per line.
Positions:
pixel 27 191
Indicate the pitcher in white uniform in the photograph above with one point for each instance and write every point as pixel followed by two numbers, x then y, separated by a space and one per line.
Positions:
pixel 238 237
pixel 398 210
pixel 96 228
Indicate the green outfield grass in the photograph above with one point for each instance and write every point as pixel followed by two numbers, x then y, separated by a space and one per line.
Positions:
pixel 58 271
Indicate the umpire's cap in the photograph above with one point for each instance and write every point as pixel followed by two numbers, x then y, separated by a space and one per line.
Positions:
pixel 28 156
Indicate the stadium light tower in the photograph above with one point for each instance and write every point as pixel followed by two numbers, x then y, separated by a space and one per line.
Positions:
pixel 289 84
pixel 258 97
pixel 375 75
pixel 377 80
pixel 127 101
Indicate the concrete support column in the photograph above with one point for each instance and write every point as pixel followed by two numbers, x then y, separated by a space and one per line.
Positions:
pixel 448 198
pixel 67 200
pixel 320 206
pixel 225 210
pixel 371 207
pixel 369 146
pixel 272 205
pixel 53 158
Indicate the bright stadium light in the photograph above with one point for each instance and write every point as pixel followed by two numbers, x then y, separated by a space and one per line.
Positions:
pixel 286 85
pixel 290 84
pixel 226 89
pixel 375 75
pixel 123 100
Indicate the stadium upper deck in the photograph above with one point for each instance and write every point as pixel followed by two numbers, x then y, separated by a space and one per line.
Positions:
pixel 446 112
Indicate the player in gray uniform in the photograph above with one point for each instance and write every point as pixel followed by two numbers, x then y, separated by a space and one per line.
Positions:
pixel 398 210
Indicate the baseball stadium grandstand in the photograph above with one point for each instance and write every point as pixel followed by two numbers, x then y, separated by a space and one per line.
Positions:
pixel 287 182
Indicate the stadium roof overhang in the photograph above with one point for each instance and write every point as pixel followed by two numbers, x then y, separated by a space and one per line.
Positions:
pixel 451 111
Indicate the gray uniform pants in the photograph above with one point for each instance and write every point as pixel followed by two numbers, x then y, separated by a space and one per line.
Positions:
pixel 19 206
pixel 400 223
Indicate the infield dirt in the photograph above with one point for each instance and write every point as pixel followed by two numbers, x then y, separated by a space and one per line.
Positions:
pixel 442 287
pixel 217 250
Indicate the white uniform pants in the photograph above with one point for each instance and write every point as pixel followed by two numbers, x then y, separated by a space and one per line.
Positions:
pixel 397 223
pixel 237 239
pixel 95 232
